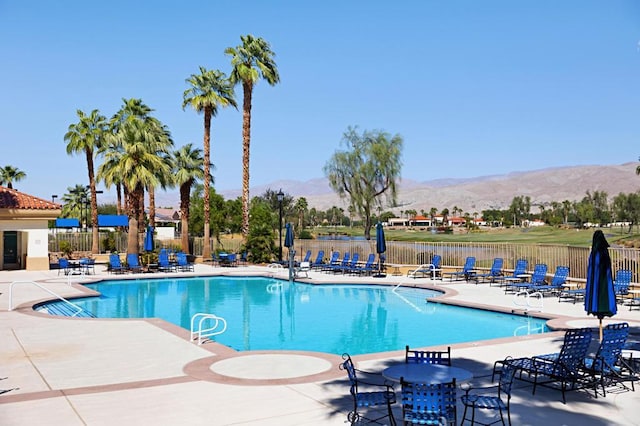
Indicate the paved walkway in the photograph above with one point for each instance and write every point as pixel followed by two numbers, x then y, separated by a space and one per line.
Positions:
pixel 146 372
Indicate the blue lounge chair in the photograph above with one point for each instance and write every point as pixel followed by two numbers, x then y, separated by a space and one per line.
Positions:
pixel 428 270
pixel 182 263
pixel 621 284
pixel 368 268
pixel 133 262
pixel 367 394
pixel 317 264
pixel 164 264
pixel 558 282
pixel 493 275
pixel 115 266
pixel 335 262
pixel 429 404
pixel 537 278
pixel 350 264
pixel 518 271
pixel 465 272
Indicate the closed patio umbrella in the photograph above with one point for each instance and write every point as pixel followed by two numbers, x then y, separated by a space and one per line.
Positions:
pixel 148 239
pixel 381 246
pixel 600 298
pixel 288 243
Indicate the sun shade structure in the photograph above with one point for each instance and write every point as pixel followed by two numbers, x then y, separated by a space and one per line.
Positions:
pixel 600 298
pixel 112 220
pixel 288 243
pixel 148 239
pixel 381 246
pixel 67 223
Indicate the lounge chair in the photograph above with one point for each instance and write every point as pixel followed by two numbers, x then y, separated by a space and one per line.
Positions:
pixel 353 263
pixel 374 394
pixel 558 282
pixel 494 273
pixel 133 262
pixel 338 264
pixel 518 271
pixel 182 263
pixel 115 266
pixel 483 401
pixel 428 270
pixel 368 268
pixel 427 357
pixel 465 272
pixel 317 264
pixel 333 260
pixel 537 278
pixel 563 369
pixel 608 366
pixel 164 264
pixel 429 404
pixel 621 284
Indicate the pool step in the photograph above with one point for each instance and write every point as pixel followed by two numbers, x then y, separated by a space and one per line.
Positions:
pixel 64 310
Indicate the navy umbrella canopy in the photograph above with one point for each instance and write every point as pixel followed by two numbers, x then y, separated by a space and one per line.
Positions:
pixel 600 298
pixel 148 239
pixel 288 237
pixel 381 246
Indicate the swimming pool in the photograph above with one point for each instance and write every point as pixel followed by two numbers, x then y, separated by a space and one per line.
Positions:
pixel 271 314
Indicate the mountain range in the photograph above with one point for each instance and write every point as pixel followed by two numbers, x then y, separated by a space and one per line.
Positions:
pixel 472 194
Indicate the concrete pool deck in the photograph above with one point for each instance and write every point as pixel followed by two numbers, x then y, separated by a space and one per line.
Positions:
pixel 78 371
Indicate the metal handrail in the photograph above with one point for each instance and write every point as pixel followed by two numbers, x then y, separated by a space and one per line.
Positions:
pixel 206 332
pixel 54 294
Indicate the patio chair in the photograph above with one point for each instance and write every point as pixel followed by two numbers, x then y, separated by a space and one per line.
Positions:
pixel 608 366
pixel 558 282
pixel 333 260
pixel 65 266
pixel 563 369
pixel 428 270
pixel 115 266
pixel 164 264
pixel 375 395
pixel 429 404
pixel 483 401
pixel 303 268
pixel 494 273
pixel 428 357
pixel 519 269
pixel 133 262
pixel 337 265
pixel 353 263
pixel 621 284
pixel 183 264
pixel 368 268
pixel 537 278
pixel 87 265
pixel 465 272
pixel 317 264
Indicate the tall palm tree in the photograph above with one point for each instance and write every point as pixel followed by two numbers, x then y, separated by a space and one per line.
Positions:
pixel 88 136
pixel 250 61
pixel 10 174
pixel 73 201
pixel 207 92
pixel 188 168
pixel 139 163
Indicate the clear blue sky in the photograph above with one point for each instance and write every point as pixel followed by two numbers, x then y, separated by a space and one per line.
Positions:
pixel 474 87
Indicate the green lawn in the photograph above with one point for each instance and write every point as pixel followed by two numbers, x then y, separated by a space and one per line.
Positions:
pixel 539 235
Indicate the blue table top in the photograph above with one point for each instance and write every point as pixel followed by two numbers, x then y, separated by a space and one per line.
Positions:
pixel 427 373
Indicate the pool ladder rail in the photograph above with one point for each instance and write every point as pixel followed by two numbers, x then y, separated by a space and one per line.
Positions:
pixel 527 300
pixel 67 308
pixel 214 324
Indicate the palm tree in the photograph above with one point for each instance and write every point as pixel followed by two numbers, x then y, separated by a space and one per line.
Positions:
pixel 88 136
pixel 250 61
pixel 10 174
pixel 208 90
pixel 187 169
pixel 139 163
pixel 73 201
pixel 301 207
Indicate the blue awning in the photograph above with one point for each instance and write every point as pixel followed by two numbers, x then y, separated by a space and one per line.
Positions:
pixel 111 220
pixel 67 223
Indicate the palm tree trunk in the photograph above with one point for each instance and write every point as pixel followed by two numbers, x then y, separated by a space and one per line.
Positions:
pixel 94 203
pixel 119 199
pixel 185 189
pixel 206 248
pixel 152 206
pixel 133 244
pixel 246 142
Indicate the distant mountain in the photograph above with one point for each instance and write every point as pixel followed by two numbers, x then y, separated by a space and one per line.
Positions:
pixel 476 194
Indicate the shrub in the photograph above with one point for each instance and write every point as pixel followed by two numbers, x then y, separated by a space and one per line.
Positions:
pixel 66 249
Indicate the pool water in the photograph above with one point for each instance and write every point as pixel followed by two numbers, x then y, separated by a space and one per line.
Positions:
pixel 270 314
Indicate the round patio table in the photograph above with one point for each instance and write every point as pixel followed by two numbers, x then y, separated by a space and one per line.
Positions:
pixel 427 373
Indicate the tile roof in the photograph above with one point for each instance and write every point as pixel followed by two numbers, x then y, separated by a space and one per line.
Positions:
pixel 12 199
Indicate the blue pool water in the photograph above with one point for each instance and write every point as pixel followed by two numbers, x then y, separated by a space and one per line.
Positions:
pixel 269 314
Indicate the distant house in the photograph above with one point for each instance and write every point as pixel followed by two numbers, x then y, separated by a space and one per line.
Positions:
pixel 166 223
pixel 24 227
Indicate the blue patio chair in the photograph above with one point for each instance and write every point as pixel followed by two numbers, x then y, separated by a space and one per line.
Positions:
pixel 368 268
pixel 317 264
pixel 115 266
pixel 537 278
pixel 182 263
pixel 519 269
pixel 428 270
pixel 164 264
pixel 427 357
pixel 64 266
pixel 429 404
pixel 484 401
pixel 558 282
pixel 621 284
pixel 465 272
pixel 353 263
pixel 494 273
pixel 337 264
pixel 367 394
pixel 133 262
pixel 608 366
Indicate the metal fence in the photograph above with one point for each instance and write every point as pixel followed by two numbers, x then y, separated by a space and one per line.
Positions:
pixel 404 253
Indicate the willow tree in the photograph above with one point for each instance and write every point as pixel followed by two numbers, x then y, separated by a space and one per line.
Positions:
pixel 207 92
pixel 250 61
pixel 366 172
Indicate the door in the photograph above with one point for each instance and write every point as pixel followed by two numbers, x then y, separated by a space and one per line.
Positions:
pixel 10 252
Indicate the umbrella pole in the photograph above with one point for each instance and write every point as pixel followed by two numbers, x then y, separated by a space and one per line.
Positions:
pixel 600 320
